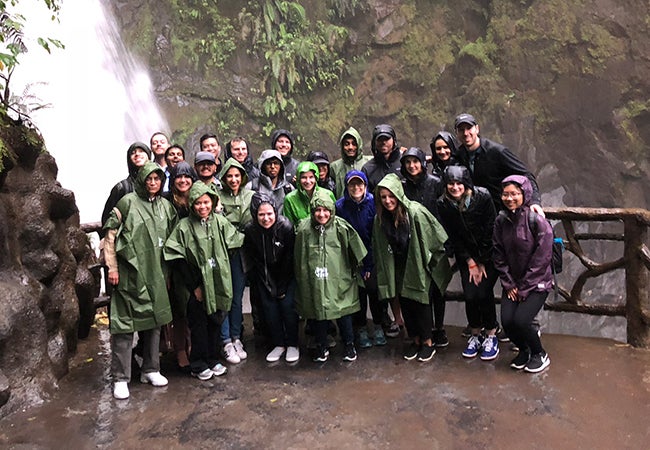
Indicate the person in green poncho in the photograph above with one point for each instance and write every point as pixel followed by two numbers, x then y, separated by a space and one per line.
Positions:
pixel 327 257
pixel 136 230
pixel 407 242
pixel 236 200
pixel 199 248
pixel 296 203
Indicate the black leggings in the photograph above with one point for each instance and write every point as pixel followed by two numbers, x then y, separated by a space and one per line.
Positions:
pixel 437 302
pixel 479 300
pixel 517 320
pixel 417 319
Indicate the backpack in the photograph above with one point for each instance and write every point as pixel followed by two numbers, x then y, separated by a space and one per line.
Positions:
pixel 558 243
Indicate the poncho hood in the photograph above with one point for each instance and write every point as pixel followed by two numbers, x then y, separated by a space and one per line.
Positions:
pixel 351 132
pixel 322 198
pixel 146 170
pixel 306 166
pixel 258 199
pixel 199 189
pixel 230 163
pixel 133 169
pixel 525 185
pixel 393 184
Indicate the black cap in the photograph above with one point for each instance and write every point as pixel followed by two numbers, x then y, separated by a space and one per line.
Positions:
pixel 204 157
pixel 464 118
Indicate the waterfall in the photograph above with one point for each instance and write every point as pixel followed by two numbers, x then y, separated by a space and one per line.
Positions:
pixel 101 98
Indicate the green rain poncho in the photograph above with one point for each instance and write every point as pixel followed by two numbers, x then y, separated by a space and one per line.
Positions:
pixel 327 259
pixel 204 245
pixel 140 302
pixel 236 208
pixel 296 203
pixel 426 259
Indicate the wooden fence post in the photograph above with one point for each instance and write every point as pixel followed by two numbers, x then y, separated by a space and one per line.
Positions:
pixel 637 278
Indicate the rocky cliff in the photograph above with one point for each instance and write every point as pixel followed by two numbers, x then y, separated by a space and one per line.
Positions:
pixel 563 84
pixel 44 276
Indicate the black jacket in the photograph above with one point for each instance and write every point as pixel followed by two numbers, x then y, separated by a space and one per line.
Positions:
pixel 269 255
pixel 470 230
pixel 378 167
pixel 425 188
pixel 492 163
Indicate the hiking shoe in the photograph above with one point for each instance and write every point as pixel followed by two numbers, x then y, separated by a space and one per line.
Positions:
pixel 393 330
pixel 411 351
pixel 426 353
pixel 378 338
pixel 219 369
pixel 501 334
pixel 275 354
pixel 154 379
pixel 474 344
pixel 239 349
pixel 538 362
pixel 292 355
pixel 467 332
pixel 440 338
pixel 231 354
pixel 350 352
pixel 121 390
pixel 205 375
pixel 520 360
pixel 322 353
pixel 490 348
pixel 364 339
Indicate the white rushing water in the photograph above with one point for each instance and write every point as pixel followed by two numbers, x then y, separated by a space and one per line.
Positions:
pixel 101 96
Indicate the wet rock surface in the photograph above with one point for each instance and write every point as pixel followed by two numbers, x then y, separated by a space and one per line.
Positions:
pixel 596 394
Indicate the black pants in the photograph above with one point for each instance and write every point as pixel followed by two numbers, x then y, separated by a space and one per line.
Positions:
pixel 204 335
pixel 517 320
pixel 438 304
pixel 368 295
pixel 345 329
pixel 417 319
pixel 479 300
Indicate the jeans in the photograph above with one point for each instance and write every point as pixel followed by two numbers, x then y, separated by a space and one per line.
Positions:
pixel 517 320
pixel 345 328
pixel 281 316
pixel 231 327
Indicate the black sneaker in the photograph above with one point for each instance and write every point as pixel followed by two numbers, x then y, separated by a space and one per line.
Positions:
pixel 322 353
pixel 538 362
pixel 426 353
pixel 350 352
pixel 467 332
pixel 520 360
pixel 411 351
pixel 392 331
pixel 440 338
pixel 501 334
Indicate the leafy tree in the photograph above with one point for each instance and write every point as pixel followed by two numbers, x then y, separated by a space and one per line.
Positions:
pixel 12 46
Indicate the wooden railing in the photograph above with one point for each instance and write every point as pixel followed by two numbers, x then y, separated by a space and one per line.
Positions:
pixel 635 261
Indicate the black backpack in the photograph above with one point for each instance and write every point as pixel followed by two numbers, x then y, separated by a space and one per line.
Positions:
pixel 558 243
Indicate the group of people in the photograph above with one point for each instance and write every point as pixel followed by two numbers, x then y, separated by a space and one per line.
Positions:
pixel 323 242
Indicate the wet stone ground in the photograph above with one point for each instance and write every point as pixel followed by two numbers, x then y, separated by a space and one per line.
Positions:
pixel 595 395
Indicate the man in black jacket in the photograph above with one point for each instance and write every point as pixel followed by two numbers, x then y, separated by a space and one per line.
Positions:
pixel 490 162
pixel 386 156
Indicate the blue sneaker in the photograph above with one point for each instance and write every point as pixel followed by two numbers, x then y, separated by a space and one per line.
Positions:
pixel 474 344
pixel 364 339
pixel 490 348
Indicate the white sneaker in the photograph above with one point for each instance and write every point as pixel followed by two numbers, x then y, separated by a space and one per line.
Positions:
pixel 153 378
pixel 275 354
pixel 204 375
pixel 121 390
pixel 239 348
pixel 231 353
pixel 293 354
pixel 219 369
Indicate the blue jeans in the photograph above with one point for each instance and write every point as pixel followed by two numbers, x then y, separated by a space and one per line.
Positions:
pixel 281 316
pixel 345 329
pixel 231 326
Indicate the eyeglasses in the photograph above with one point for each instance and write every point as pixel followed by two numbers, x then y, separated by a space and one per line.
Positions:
pixel 511 195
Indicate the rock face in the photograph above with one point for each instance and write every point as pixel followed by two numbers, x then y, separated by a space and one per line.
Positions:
pixel 44 275
pixel 563 84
